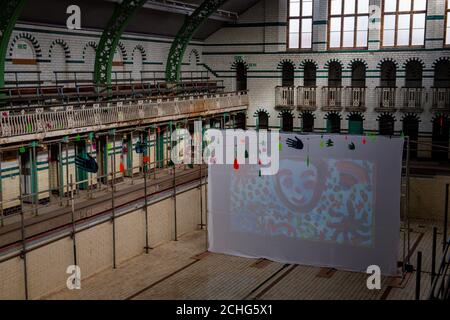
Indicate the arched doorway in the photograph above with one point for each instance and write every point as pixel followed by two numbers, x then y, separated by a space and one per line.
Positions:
pixel 288 74
pixel 411 130
pixel 263 121
pixel 240 121
pixel 355 124
pixel 287 122
pixel 386 125
pixel 413 74
pixel 333 123
pixel 358 74
pixel 441 137
pixel 388 74
pixel 241 77
pixel 307 122
pixel 309 74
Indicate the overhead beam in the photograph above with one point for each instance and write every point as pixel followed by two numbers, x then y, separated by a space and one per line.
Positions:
pixel 9 13
pixel 184 36
pixel 109 40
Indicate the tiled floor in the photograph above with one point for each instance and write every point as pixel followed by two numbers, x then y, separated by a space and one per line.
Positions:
pixel 173 271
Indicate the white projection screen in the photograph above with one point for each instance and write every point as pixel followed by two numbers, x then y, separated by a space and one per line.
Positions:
pixel 330 204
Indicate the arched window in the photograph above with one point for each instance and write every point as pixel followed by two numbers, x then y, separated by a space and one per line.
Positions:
pixel 411 130
pixel 334 74
pixel 414 74
pixel 263 121
pixel 287 122
pixel 310 74
pixel 333 123
pixel 386 125
pixel 441 137
pixel 288 72
pixel 358 75
pixel 241 77
pixel 442 74
pixel 307 122
pixel 355 124
pixel 388 74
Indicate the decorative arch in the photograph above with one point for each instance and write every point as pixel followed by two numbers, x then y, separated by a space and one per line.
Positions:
pixel 327 64
pixel 357 60
pixel 282 62
pixel 384 115
pixel 238 61
pixel 90 44
pixel 309 113
pixel 411 116
pixel 302 64
pixel 414 60
pixel 141 50
pixel 440 115
pixel 29 37
pixel 333 113
pixel 257 112
pixel 387 60
pixel 355 114
pixel 196 54
pixel 283 112
pixel 441 59
pixel 123 51
pixel 61 43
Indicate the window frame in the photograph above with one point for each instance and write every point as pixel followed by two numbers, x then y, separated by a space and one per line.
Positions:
pixel 396 14
pixel 299 18
pixel 356 15
pixel 446 22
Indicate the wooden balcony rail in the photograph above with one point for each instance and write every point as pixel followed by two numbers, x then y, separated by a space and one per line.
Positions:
pixel 413 99
pixel 440 99
pixel 307 98
pixel 355 98
pixel 386 98
pixel 284 97
pixel 98 115
pixel 332 98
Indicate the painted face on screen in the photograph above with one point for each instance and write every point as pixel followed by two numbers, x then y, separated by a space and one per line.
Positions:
pixel 299 186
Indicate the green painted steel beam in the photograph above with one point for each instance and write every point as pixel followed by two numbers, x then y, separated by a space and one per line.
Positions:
pixel 9 13
pixel 123 13
pixel 184 36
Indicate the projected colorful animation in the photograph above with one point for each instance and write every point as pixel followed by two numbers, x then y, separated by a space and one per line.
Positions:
pixel 326 200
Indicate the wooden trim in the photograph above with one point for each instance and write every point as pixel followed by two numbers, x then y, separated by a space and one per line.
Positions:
pixel 117 64
pixel 411 12
pixel 343 15
pixel 446 22
pixel 25 61
pixel 299 18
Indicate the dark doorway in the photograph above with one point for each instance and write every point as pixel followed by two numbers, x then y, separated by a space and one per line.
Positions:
pixel 241 77
pixel 355 124
pixel 441 137
pixel 442 74
pixel 414 74
pixel 334 74
pixel 309 74
pixel 333 123
pixel 240 121
pixel 287 122
pixel 358 75
pixel 263 121
pixel 411 130
pixel 388 74
pixel 288 74
pixel 308 122
pixel 386 125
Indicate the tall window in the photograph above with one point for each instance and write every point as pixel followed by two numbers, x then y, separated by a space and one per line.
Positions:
pixel 447 31
pixel 404 22
pixel 349 23
pixel 300 24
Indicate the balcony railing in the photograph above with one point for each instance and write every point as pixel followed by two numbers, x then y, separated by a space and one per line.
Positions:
pixel 284 97
pixel 70 119
pixel 413 99
pixel 386 99
pixel 355 99
pixel 332 98
pixel 440 99
pixel 307 98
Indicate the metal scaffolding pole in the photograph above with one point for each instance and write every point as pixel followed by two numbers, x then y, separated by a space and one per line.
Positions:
pixel 1 191
pixel 73 235
pixel 113 187
pixel 23 254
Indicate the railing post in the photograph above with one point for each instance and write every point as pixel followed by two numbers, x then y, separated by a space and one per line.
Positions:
pixel 445 239
pixel 433 255
pixel 418 274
